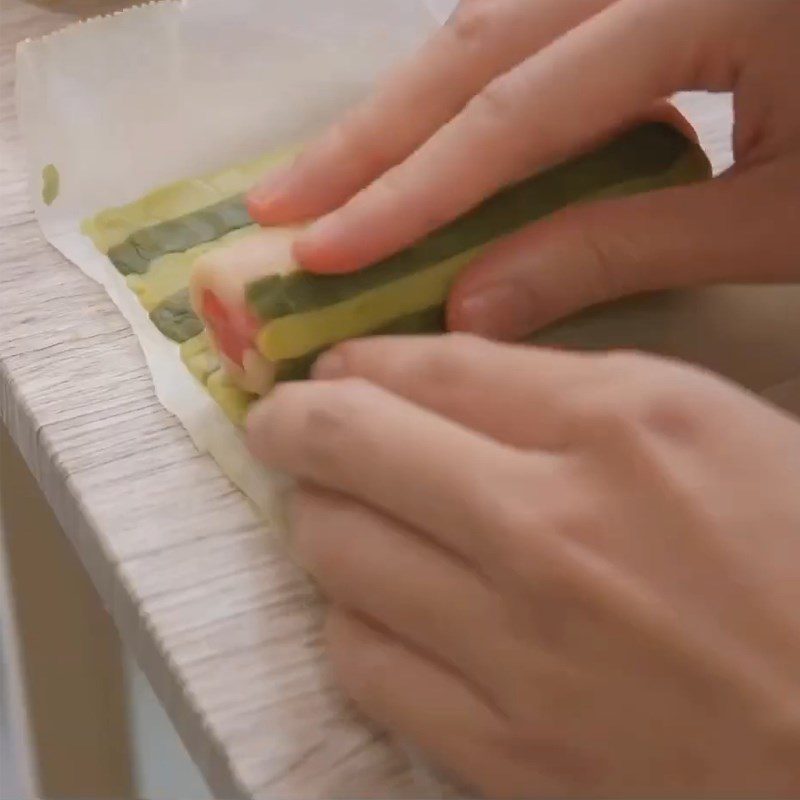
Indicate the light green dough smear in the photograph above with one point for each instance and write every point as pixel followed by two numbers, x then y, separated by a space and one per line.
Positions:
pixel 199 357
pixel 51 184
pixel 232 400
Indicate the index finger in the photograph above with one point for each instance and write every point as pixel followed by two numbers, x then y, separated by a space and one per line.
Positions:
pixel 576 92
pixel 512 393
pixel 481 41
pixel 422 469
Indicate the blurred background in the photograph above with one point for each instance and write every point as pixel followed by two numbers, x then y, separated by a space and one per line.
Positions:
pixel 71 730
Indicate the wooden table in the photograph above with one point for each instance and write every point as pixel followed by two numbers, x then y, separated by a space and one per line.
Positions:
pixel 217 619
pixel 220 623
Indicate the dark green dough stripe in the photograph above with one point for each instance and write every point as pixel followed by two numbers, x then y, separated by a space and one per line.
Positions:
pixel 647 151
pixel 175 319
pixel 135 254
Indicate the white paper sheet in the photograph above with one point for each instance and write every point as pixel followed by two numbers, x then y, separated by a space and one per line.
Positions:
pixel 126 103
pixel 176 89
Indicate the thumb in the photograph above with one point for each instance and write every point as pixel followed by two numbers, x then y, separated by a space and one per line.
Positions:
pixel 720 230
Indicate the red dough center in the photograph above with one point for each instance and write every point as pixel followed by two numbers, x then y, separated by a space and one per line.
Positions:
pixel 233 333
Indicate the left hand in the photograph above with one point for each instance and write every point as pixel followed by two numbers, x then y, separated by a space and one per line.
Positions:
pixel 512 87
pixel 560 574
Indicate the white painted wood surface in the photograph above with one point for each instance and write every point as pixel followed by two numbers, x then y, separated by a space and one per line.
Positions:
pixel 223 626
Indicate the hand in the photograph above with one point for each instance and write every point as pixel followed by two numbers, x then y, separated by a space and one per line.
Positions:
pixel 510 87
pixel 560 574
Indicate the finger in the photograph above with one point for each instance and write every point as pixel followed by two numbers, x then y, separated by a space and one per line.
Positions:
pixel 512 393
pixel 426 704
pixel 574 93
pixel 414 697
pixel 355 438
pixel 481 41
pixel 379 568
pixel 665 111
pixel 595 253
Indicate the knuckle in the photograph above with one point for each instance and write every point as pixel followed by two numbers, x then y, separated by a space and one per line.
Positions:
pixel 606 407
pixel 398 189
pixel 606 414
pixel 474 21
pixel 392 184
pixel 670 411
pixel 446 365
pixel 282 397
pixel 603 258
pixel 331 421
pixel 575 517
pixel 356 133
pixel 679 405
pixel 327 423
pixel 442 365
pixel 496 103
pixel 511 514
pixel 354 355
pixel 640 395
pixel 665 389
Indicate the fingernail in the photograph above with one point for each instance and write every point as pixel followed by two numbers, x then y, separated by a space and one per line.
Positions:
pixel 270 188
pixel 499 312
pixel 321 229
pixel 328 366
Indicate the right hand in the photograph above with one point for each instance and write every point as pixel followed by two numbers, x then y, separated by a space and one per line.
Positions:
pixel 559 574
pixel 510 87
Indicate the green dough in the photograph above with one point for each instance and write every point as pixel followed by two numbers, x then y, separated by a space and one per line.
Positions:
pixel 304 312
pixel 169 274
pixel 154 241
pixel 648 157
pixel 113 226
pixel 136 253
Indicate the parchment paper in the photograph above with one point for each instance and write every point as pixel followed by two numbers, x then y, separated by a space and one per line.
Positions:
pixel 126 103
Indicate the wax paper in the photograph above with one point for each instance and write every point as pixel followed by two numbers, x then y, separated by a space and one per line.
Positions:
pixel 117 106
